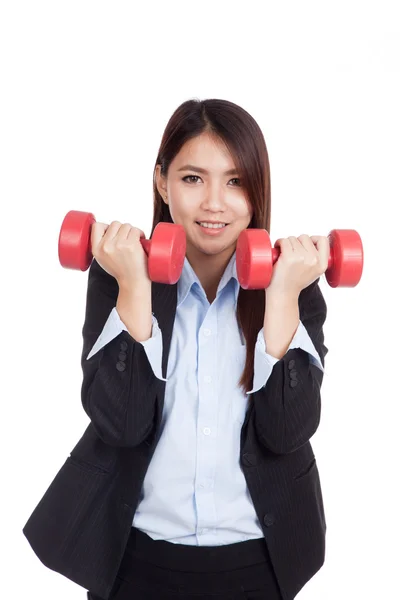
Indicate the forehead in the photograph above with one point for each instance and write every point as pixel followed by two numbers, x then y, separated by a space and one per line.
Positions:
pixel 205 151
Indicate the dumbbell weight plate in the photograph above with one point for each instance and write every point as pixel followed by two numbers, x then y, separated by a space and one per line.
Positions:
pixel 254 259
pixel 167 250
pixel 74 248
pixel 346 258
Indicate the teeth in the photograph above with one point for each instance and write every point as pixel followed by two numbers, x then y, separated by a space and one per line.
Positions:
pixel 212 225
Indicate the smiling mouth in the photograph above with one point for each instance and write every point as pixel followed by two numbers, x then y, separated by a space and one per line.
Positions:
pixel 212 226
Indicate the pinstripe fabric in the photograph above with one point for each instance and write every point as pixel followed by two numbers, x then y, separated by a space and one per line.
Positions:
pixel 81 525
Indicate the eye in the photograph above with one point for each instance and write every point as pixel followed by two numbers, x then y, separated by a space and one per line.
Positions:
pixel 190 177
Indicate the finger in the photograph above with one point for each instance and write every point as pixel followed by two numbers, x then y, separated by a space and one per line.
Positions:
pixel 296 244
pixel 307 243
pixel 136 233
pixel 284 244
pixel 323 246
pixel 318 238
pixel 124 230
pixel 112 231
pixel 282 241
pixel 97 233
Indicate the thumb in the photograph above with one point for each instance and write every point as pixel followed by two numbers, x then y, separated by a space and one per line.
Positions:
pixel 323 246
pixel 97 233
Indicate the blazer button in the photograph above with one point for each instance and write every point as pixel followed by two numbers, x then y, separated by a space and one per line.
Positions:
pixel 122 356
pixel 269 519
pixel 123 346
pixel 293 374
pixel 121 366
pixel 249 460
pixel 293 382
pixel 291 364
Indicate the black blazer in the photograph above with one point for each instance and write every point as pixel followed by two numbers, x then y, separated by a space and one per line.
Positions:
pixel 81 525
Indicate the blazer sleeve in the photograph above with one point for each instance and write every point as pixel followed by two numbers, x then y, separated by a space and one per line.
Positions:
pixel 119 387
pixel 287 410
pixel 264 362
pixel 153 346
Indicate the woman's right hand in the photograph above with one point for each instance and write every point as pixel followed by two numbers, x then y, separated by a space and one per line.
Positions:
pixel 117 249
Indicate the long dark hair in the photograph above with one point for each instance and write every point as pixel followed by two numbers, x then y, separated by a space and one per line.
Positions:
pixel 245 141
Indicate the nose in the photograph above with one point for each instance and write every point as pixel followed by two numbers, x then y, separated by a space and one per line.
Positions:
pixel 214 198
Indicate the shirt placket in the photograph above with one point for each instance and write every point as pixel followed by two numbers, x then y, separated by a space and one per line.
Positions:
pixel 207 423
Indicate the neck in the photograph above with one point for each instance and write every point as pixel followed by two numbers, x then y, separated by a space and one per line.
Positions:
pixel 209 268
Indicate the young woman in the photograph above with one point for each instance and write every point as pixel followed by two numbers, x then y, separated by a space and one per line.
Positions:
pixel 196 477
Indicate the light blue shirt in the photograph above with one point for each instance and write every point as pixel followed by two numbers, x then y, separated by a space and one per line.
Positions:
pixel 194 491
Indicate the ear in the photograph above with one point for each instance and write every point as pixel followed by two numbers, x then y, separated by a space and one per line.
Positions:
pixel 161 183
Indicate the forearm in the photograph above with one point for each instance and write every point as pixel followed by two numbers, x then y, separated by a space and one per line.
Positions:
pixel 281 320
pixel 134 309
pixel 287 412
pixel 119 388
pixel 118 392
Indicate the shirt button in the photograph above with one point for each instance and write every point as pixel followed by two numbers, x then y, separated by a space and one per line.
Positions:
pixel 207 332
pixel 207 379
pixel 206 431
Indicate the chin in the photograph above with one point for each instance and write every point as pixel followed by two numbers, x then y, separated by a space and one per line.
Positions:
pixel 214 249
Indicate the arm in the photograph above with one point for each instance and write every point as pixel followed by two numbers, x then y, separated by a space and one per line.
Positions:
pixel 264 362
pixel 118 391
pixel 153 346
pixel 287 414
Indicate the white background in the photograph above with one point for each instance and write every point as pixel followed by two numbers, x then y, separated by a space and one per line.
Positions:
pixel 87 88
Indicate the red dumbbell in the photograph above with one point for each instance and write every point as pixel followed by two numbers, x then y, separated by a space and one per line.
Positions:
pixel 255 258
pixel 166 250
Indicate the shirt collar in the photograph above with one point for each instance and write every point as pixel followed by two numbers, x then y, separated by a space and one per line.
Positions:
pixel 189 278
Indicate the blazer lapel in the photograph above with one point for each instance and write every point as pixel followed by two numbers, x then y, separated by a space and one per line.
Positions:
pixel 164 300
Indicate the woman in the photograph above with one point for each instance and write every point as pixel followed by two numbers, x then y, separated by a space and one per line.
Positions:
pixel 196 477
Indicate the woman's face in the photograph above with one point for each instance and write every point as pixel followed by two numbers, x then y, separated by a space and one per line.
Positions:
pixel 203 186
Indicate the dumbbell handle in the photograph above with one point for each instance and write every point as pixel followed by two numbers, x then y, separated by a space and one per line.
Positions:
pixel 277 251
pixel 146 245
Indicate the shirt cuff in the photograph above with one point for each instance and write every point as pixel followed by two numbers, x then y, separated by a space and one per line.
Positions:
pixel 111 329
pixel 153 346
pixel 154 349
pixel 264 362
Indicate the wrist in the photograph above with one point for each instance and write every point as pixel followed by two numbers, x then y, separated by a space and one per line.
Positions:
pixel 274 296
pixel 134 288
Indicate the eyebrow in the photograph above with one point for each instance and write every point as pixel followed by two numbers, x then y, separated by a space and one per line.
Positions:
pixel 200 170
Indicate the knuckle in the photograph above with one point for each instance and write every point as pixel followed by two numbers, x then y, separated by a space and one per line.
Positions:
pixel 107 248
pixel 311 261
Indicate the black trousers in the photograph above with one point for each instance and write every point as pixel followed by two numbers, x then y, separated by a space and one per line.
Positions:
pixel 160 570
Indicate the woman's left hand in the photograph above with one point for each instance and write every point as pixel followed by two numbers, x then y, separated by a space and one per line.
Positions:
pixel 300 263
